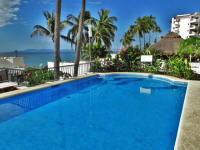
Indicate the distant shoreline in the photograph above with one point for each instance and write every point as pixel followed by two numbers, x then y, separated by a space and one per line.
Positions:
pixel 39 58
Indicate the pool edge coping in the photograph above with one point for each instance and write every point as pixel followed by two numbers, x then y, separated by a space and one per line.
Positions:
pixel 42 86
pixel 182 121
pixel 188 140
pixel 50 84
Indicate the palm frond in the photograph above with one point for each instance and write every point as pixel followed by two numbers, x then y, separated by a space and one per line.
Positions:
pixel 40 30
pixel 65 38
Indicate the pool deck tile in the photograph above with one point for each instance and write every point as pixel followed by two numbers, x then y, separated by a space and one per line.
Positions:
pixel 188 137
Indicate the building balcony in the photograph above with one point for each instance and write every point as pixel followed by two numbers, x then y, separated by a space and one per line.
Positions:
pixel 192 33
pixel 176 23
pixel 193 27
pixel 194 20
pixel 177 19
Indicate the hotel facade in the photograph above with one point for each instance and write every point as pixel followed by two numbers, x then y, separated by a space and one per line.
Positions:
pixel 186 25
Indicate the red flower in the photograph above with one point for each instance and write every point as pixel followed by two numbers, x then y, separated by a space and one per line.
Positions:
pixel 135 52
pixel 124 49
pixel 27 75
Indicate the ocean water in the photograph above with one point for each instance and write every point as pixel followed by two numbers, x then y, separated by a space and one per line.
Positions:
pixel 40 58
pixel 116 112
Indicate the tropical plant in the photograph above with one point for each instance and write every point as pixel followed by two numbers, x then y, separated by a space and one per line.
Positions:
pixel 104 29
pixel 50 30
pixel 79 39
pixel 37 77
pixel 179 67
pixel 139 28
pixel 128 38
pixel 96 66
pixel 129 56
pixel 151 27
pixel 74 23
pixel 96 51
pixel 156 30
pixel 190 47
pixel 152 68
pixel 142 26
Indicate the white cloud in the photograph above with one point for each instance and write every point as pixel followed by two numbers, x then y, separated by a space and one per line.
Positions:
pixel 95 3
pixel 8 8
pixel 47 2
pixel 25 2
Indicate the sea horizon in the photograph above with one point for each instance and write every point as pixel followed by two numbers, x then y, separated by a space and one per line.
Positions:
pixel 40 57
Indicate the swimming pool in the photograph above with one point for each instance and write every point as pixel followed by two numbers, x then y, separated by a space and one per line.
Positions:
pixel 102 112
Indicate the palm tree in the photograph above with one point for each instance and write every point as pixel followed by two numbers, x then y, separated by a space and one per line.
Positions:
pixel 49 31
pixel 79 39
pixel 146 28
pixel 151 22
pixel 139 28
pixel 128 37
pixel 104 29
pixel 57 40
pixel 74 22
pixel 156 30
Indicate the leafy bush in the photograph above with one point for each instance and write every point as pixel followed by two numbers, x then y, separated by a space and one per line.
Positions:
pixel 97 51
pixel 96 66
pixel 190 48
pixel 36 77
pixel 65 75
pixel 152 68
pixel 179 67
pixel 128 60
pixel 129 57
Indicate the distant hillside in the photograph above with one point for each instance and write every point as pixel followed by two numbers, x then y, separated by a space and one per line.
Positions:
pixel 44 50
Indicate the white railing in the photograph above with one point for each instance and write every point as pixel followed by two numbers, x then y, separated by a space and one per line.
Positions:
pixel 83 68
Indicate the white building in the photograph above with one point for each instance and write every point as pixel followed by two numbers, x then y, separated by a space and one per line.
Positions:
pixel 186 25
pixel 12 62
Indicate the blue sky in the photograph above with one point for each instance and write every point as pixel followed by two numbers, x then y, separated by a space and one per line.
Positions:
pixel 17 17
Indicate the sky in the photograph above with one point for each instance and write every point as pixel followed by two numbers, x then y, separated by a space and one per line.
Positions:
pixel 17 18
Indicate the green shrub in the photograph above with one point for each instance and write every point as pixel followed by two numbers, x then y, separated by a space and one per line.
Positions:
pixel 65 75
pixel 180 67
pixel 128 60
pixel 152 68
pixel 36 77
pixel 96 66
pixel 189 48
pixel 129 57
pixel 96 51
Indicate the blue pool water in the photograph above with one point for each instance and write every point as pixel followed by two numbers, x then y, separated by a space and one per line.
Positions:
pixel 115 112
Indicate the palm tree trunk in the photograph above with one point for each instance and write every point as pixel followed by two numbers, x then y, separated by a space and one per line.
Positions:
pixel 144 41
pixel 57 40
pixel 149 39
pixel 156 36
pixel 79 39
pixel 140 43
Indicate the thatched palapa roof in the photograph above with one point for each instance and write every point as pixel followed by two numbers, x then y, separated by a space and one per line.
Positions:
pixel 169 44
